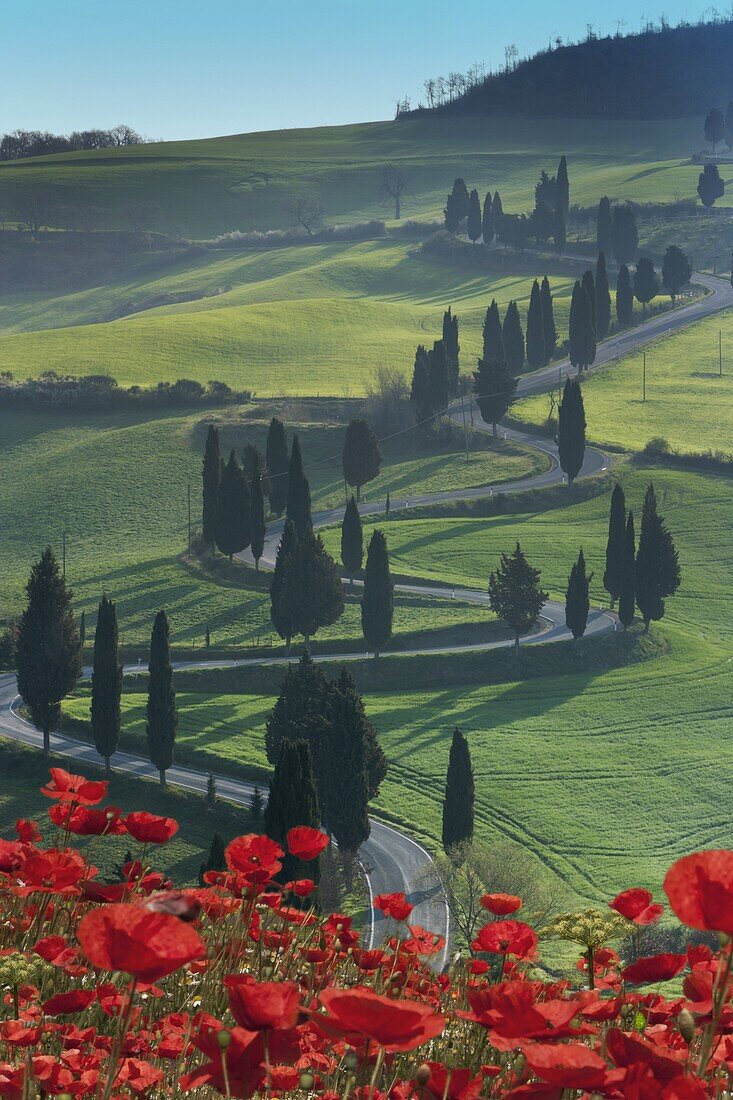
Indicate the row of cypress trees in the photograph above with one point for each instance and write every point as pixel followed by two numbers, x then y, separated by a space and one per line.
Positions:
pixel 233 504
pixel 504 341
pixel 643 577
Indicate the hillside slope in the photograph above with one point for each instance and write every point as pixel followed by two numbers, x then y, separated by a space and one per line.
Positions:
pixel 672 72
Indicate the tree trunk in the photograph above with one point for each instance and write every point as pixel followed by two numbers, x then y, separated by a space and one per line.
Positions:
pixel 376 653
pixel 516 643
pixel 46 744
pixel 613 603
pixel 494 429
pixel 107 768
pixel 257 565
pixel 351 583
pixel 288 643
pixel 162 777
pixel 397 207
pixel 358 493
pixel 646 625
pixel 307 643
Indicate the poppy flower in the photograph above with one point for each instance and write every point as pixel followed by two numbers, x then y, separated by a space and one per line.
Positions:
pixel 501 905
pixel 10 854
pixel 132 939
pixel 67 787
pixel 149 828
pixel 566 1065
pixel 256 857
pixel 700 890
pixel 138 1075
pixel 453 1084
pixel 654 968
pixel 83 821
pixel 54 870
pixel 394 905
pixel 76 1000
pixel 507 937
pixel 395 1025
pixel 186 906
pixel 259 1006
pixel 27 830
pixel 637 906
pixel 306 843
pixel 627 1049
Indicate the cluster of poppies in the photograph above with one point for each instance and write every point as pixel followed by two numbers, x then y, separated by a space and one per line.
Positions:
pixel 242 988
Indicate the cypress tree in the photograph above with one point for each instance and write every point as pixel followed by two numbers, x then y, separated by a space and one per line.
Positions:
pixel 439 378
pixel 714 127
pixel 277 461
pixel 515 594
pixel 513 339
pixel 252 462
pixel 211 478
pixel 577 598
pixel 210 795
pixel 646 286
pixel 458 800
pixel 543 222
pixel 493 335
pixel 625 234
pixel 710 186
pixel 626 595
pixel 292 801
pixel 344 785
pixel 536 352
pixel 676 270
pixel 548 318
pixel 106 683
pixel 257 525
pixel 487 221
pixel 494 386
pixel 559 229
pixel 47 650
pixel 352 541
pixel 657 571
pixel 283 585
pixel 216 860
pixel 562 185
pixel 473 218
pixel 603 298
pixel 256 804
pixel 497 210
pixel 589 285
pixel 582 336
pixel 298 508
pixel 604 227
pixel 318 590
pixel 624 296
pixel 299 710
pixel 615 545
pixel 342 697
pixel 82 629
pixel 452 349
pixel 420 388
pixel 456 206
pixel 377 605
pixel 361 456
pixel 161 712
pixel 233 530
pixel 571 430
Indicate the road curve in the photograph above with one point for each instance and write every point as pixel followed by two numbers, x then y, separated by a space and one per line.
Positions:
pixel 394 861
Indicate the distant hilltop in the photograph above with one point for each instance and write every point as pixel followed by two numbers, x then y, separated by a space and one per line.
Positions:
pixel 663 72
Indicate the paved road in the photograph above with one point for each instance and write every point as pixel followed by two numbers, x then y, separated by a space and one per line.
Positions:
pixel 394 861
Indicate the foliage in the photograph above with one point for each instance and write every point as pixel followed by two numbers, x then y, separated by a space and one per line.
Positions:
pixel 515 594
pixel 161 711
pixel 106 682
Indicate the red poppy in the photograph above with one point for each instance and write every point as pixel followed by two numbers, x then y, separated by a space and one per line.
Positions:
pixel 301 887
pixel 700 890
pixel 10 854
pixel 138 1075
pixel 149 828
pixel 132 939
pixel 76 1000
pixel 27 830
pixel 501 905
pixel 451 1084
pixel 566 1065
pixel 637 906
pixel 186 906
pixel 361 1014
pixel 628 1049
pixel 654 968
pixel 54 870
pixel 256 857
pixel 511 1011
pixel 306 843
pixel 394 905
pixel 12 1080
pixel 507 937
pixel 83 821
pixel 259 1006
pixel 67 787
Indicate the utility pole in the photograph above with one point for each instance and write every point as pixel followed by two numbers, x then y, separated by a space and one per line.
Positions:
pixel 465 429
pixel 720 352
pixel 189 519
pixel 643 376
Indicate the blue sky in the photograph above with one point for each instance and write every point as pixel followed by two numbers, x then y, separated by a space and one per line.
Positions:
pixel 183 69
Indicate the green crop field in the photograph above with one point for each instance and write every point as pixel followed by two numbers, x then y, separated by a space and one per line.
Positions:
pixel 202 188
pixel 688 402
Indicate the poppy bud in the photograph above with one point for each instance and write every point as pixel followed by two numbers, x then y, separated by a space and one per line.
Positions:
pixel 423 1075
pixel 519 1063
pixel 307 1081
pixel 223 1039
pixel 351 1060
pixel 686 1025
pixel 65 1096
pixel 723 939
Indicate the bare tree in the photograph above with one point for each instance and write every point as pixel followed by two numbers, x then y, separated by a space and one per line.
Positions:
pixel 387 405
pixel 505 868
pixel 33 209
pixel 511 53
pixel 393 185
pixel 307 212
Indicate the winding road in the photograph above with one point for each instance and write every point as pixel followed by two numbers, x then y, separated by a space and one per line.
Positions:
pixel 392 860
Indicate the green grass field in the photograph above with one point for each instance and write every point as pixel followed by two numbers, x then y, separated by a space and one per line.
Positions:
pixel 201 188
pixel 687 401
